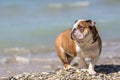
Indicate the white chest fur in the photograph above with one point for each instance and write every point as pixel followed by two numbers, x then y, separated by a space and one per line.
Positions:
pixel 78 48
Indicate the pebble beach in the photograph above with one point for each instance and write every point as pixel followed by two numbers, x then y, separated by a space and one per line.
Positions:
pixel 104 72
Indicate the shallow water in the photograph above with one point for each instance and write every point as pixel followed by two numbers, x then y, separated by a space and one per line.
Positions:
pixel 28 30
pixel 18 60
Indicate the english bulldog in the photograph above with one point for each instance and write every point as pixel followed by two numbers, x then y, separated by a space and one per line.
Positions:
pixel 82 41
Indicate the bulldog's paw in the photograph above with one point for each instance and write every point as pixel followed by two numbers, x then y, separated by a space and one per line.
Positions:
pixel 69 67
pixel 91 72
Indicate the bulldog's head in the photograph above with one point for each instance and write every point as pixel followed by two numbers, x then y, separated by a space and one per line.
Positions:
pixel 84 31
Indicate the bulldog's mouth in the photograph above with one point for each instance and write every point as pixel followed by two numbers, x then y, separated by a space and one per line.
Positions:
pixel 79 40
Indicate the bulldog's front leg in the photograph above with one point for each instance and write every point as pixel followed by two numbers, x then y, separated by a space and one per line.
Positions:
pixel 81 60
pixel 92 65
pixel 91 69
pixel 83 63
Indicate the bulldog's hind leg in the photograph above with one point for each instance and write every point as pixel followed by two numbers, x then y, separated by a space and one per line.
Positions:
pixel 65 58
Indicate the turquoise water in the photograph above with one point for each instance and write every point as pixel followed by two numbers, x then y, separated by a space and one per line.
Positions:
pixel 28 29
pixel 27 22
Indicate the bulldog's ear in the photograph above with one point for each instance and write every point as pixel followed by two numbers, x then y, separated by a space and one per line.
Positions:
pixel 89 20
pixel 71 35
pixel 91 23
pixel 75 21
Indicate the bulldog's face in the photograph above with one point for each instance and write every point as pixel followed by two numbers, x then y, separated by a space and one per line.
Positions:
pixel 84 31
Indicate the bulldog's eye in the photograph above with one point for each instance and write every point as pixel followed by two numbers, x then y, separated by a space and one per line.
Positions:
pixel 90 27
pixel 81 28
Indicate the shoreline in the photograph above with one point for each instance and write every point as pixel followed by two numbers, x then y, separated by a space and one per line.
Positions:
pixel 45 65
pixel 15 61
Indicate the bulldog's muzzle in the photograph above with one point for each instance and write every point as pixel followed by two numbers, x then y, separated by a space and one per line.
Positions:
pixel 76 35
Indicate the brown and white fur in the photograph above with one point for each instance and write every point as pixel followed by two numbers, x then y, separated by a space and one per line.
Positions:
pixel 82 41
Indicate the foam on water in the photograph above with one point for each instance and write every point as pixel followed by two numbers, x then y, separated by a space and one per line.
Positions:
pixel 69 5
pixel 23 55
pixel 19 63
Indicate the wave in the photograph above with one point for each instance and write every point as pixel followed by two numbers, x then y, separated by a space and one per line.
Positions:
pixel 25 60
pixel 14 59
pixel 68 5
pixel 16 50
pixel 40 54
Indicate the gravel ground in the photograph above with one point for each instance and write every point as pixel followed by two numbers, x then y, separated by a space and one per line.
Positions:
pixel 104 72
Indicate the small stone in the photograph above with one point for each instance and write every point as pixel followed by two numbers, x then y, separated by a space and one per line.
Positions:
pixel 119 72
pixel 3 78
